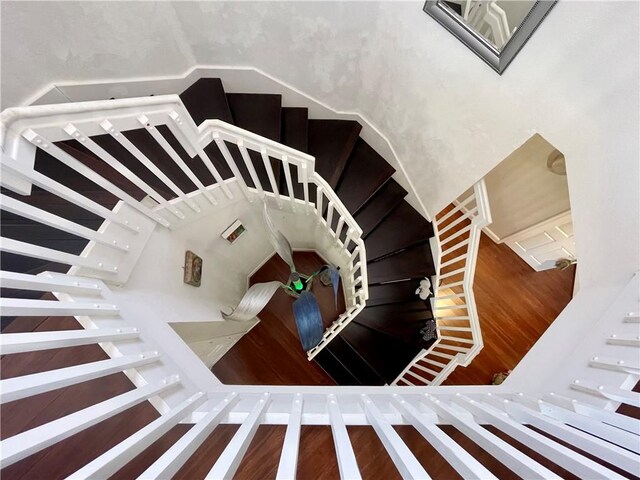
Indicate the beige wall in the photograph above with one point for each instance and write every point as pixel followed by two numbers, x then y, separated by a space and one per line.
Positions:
pixel 523 192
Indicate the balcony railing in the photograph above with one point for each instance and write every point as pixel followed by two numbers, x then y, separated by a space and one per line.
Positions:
pixel 457 231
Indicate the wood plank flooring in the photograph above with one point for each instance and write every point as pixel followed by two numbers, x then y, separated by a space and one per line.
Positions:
pixel 515 305
pixel 64 458
pixel 271 354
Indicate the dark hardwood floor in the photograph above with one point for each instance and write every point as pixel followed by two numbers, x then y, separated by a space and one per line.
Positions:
pixel 515 305
pixel 271 354
pixel 67 456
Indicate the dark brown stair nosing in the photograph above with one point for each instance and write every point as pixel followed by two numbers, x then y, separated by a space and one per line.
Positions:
pixel 206 99
pixel 331 142
pixel 381 204
pixel 365 173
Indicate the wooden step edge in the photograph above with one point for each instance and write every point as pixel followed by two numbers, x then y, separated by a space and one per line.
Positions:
pixel 364 361
pixel 345 155
pixel 395 252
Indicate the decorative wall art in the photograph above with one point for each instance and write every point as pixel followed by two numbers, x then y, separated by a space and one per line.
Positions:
pixel 234 231
pixel 192 269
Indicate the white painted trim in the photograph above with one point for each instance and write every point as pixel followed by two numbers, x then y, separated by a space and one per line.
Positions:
pixel 524 231
pixel 486 229
pixel 213 71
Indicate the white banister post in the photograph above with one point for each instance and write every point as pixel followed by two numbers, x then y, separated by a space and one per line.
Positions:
pixel 108 127
pixel 66 193
pixel 164 144
pixel 25 210
pixel 107 158
pixel 15 388
pixel 179 124
pixel 319 194
pixel 34 341
pixel 108 464
pixel 50 283
pixel 272 179
pixel 20 307
pixel 402 457
pixel 29 250
pixel 305 185
pixel 170 462
pixel 229 460
pixel 99 180
pixel 344 451
pixel 289 456
pixel 287 176
pixel 22 445
pixel 249 164
pixel 458 457
pixel 224 150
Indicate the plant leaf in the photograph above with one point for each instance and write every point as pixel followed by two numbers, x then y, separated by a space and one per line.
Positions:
pixel 253 301
pixel 278 241
pixel 308 320
pixel 335 281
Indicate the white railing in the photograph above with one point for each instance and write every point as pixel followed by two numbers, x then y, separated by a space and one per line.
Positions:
pixel 457 231
pixel 576 416
pixel 24 130
pixel 602 441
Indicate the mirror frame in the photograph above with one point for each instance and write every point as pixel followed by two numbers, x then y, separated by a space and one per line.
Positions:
pixel 499 60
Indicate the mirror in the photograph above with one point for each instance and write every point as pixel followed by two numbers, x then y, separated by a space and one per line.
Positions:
pixel 495 30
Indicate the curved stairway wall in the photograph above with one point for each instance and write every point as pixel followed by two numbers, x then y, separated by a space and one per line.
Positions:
pixel 251 406
pixel 386 334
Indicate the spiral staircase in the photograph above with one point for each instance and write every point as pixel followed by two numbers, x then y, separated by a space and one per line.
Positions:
pixel 88 184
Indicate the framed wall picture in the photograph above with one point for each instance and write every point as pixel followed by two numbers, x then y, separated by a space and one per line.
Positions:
pixel 234 231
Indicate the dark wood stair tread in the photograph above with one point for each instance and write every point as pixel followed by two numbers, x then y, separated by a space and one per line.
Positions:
pixel 154 152
pixel 375 210
pixel 353 362
pixel 295 128
pixel 257 112
pixel 400 229
pixel 402 321
pixel 331 143
pixel 365 173
pixel 415 262
pixel 395 292
pixel 384 353
pixel 295 134
pixel 58 171
pixel 113 147
pixel 206 100
pixel 260 114
pixel 333 366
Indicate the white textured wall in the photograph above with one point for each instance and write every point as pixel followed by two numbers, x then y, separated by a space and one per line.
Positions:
pixel 523 192
pixel 450 118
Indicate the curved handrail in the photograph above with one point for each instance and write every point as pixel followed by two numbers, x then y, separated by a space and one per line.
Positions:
pixel 458 326
pixel 25 129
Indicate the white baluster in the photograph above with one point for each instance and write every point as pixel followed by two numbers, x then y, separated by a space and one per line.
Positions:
pixel 34 341
pixel 82 169
pixel 16 388
pixel 142 158
pixel 157 136
pixel 22 445
pixel 25 210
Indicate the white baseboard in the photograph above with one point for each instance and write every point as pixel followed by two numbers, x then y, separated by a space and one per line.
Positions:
pixel 235 79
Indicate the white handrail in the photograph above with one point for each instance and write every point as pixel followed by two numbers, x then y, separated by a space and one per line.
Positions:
pixel 26 129
pixel 454 328
pixel 582 415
